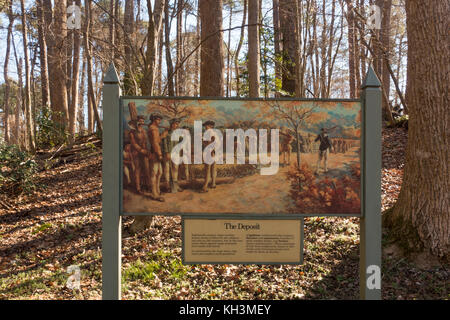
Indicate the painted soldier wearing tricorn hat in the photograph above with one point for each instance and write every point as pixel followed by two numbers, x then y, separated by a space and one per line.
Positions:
pixel 170 168
pixel 286 146
pixel 155 155
pixel 139 152
pixel 210 169
pixel 325 145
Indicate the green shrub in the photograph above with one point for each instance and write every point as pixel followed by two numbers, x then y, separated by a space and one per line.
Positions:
pixel 17 170
pixel 49 133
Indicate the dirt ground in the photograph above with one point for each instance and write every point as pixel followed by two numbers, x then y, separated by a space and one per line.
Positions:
pixel 60 225
pixel 257 194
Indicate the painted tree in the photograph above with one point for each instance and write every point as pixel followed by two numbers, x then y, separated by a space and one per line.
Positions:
pixel 295 114
pixel 420 220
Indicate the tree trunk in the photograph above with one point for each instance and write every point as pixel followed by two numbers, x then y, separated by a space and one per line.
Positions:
pixel 179 46
pixel 385 38
pixel 57 48
pixel 19 105
pixel 212 64
pixel 87 48
pixel 5 75
pixel 169 64
pixel 277 44
pixel 30 143
pixel 351 49
pixel 253 49
pixel 73 110
pixel 238 50
pixel 151 55
pixel 421 217
pixel 128 28
pixel 43 56
pixel 288 24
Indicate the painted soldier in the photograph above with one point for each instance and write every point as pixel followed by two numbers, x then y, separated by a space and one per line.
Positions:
pixel 156 155
pixel 324 146
pixel 335 143
pixel 210 169
pixel 185 157
pixel 339 146
pixel 286 147
pixel 170 169
pixel 128 165
pixel 139 152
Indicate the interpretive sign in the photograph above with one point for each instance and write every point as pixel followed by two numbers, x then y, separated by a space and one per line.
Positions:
pixel 243 241
pixel 243 173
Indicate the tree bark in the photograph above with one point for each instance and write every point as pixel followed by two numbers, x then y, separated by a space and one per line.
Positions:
pixel 238 50
pixel 5 74
pixel 351 49
pixel 421 217
pixel 57 63
pixel 73 110
pixel 43 56
pixel 169 64
pixel 253 49
pixel 212 63
pixel 277 44
pixel 30 143
pixel 179 48
pixel 385 39
pixel 87 48
pixel 154 27
pixel 288 24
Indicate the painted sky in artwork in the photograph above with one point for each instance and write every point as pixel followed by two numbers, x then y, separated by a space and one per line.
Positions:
pixel 344 117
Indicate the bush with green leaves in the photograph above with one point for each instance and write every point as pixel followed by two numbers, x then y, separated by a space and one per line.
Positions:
pixel 50 133
pixel 17 170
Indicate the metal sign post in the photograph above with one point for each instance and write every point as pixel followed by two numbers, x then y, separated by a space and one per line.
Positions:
pixel 370 222
pixel 111 219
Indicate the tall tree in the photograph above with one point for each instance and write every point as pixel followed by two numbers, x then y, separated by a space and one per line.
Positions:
pixel 288 23
pixel 57 47
pixel 179 46
pixel 253 48
pixel 421 217
pixel 73 109
pixel 385 39
pixel 212 62
pixel 30 143
pixel 43 55
pixel 277 44
pixel 154 28
pixel 169 64
pixel 88 50
pixel 5 74
pixel 238 49
pixel 352 56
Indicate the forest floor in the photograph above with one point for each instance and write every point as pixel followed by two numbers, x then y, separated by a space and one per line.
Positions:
pixel 59 225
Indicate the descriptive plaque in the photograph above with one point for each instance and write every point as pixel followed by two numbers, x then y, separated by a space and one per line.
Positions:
pixel 242 241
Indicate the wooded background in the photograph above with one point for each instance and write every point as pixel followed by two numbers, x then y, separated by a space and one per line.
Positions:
pixel 52 76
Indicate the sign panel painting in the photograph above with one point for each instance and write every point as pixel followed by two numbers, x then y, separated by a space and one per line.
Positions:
pixel 211 156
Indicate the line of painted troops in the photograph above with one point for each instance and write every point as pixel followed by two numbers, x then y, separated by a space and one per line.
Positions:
pixel 148 155
pixel 321 144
